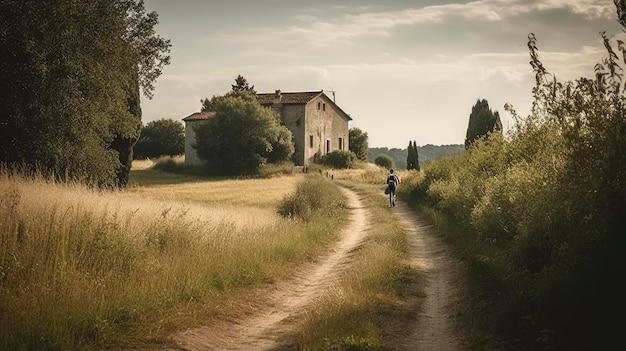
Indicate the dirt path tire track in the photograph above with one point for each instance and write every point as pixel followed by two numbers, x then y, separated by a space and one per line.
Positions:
pixel 437 326
pixel 279 306
pixel 274 316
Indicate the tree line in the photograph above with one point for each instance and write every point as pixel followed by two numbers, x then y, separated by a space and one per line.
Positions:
pixel 426 154
pixel 73 72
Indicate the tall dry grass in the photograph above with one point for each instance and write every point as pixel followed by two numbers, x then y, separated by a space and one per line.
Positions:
pixel 81 268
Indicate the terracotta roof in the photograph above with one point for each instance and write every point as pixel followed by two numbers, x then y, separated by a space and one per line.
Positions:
pixel 199 116
pixel 295 98
pixel 288 98
pixel 268 99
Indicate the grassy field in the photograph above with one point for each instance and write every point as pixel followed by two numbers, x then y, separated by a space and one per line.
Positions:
pixel 87 269
pixel 82 269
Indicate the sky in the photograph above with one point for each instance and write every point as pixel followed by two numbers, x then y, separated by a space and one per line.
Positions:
pixel 404 70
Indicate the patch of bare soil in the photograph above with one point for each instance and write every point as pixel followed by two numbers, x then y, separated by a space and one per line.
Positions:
pixel 427 321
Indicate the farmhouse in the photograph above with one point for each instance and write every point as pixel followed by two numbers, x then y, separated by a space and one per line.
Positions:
pixel 316 122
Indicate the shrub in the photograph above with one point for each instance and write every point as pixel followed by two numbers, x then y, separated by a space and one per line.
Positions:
pixel 550 202
pixel 384 161
pixel 340 159
pixel 167 164
pixel 315 196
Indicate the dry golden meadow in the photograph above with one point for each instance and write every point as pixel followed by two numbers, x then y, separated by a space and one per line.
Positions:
pixel 87 269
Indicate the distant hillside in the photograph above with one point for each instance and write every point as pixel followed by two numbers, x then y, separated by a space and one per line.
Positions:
pixel 426 153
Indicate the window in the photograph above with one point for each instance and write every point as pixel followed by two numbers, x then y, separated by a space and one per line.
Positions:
pixel 327 146
pixel 323 107
pixel 311 140
pixel 318 105
pixel 340 143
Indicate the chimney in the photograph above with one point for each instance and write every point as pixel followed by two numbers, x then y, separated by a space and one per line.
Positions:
pixel 277 97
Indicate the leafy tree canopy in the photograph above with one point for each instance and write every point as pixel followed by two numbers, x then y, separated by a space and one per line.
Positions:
pixel 241 136
pixel 164 137
pixel 241 89
pixel 71 75
pixel 358 143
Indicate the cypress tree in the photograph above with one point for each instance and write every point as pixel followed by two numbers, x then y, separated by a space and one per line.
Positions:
pixel 416 160
pixel 412 158
pixel 409 157
pixel 482 122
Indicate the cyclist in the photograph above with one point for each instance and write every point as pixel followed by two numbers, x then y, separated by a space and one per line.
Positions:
pixel 392 182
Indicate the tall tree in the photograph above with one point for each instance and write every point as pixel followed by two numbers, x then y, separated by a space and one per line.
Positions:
pixel 241 85
pixel 149 54
pixel 412 158
pixel 416 156
pixel 72 73
pixel 482 122
pixel 409 157
pixel 358 143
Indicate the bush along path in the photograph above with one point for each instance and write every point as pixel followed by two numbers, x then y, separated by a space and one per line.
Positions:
pixel 424 316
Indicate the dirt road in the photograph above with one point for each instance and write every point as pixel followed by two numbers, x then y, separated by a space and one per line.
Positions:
pixel 435 328
pixel 278 305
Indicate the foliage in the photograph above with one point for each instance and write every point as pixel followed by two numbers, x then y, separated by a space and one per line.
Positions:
pixel 548 204
pixel 313 197
pixel 384 161
pixel 69 96
pixel 168 164
pixel 241 85
pixel 482 122
pixel 339 159
pixel 151 51
pixel 164 137
pixel 241 89
pixel 242 136
pixel 412 158
pixel 271 170
pixel 358 143
pixel 283 147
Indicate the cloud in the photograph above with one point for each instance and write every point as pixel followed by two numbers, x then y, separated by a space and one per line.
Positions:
pixel 343 25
